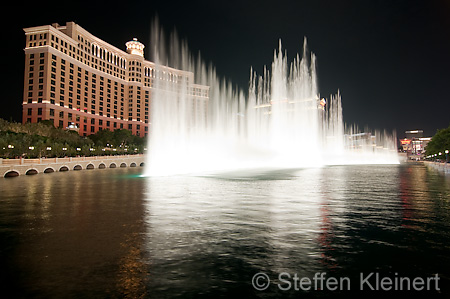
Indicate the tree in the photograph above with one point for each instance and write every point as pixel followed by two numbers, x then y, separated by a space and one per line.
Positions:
pixel 42 139
pixel 439 143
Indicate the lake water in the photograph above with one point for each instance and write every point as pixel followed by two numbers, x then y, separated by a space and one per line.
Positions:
pixel 112 233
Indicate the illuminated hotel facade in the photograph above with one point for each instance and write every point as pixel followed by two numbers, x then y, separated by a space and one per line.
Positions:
pixel 74 78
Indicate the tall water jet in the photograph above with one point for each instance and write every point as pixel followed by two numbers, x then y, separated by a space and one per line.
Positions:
pixel 202 124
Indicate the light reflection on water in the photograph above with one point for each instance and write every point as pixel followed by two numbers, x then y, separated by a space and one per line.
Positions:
pixel 112 233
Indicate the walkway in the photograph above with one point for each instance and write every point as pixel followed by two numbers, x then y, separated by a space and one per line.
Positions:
pixel 16 167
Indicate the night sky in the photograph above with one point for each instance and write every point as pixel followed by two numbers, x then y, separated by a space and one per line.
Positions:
pixel 389 59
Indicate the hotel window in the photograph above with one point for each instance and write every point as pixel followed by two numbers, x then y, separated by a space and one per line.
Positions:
pixel 61 114
pixel 39 112
pixel 29 111
pixel 52 112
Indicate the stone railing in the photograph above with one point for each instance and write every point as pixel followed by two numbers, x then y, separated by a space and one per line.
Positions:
pixel 441 166
pixel 16 167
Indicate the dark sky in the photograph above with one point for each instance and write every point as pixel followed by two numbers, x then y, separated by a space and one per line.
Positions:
pixel 390 59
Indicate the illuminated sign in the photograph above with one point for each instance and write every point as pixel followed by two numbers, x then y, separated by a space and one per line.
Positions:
pixel 405 141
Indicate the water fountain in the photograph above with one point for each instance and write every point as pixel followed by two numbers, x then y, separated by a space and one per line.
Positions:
pixel 282 123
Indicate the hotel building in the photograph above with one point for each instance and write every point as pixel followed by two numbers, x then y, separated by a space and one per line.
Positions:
pixel 73 78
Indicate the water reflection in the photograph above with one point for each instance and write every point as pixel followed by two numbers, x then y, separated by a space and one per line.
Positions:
pixel 325 219
pixel 72 234
pixel 108 233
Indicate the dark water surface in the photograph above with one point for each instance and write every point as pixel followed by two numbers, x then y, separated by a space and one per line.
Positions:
pixel 110 233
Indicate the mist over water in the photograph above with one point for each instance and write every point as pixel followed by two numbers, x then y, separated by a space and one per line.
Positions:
pixel 282 122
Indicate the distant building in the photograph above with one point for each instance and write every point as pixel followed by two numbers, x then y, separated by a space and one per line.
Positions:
pixel 414 144
pixel 73 78
pixel 359 140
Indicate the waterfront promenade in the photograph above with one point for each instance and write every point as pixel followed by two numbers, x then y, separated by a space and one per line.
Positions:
pixel 16 167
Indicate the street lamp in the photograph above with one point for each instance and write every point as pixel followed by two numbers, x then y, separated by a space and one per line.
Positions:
pixel 446 156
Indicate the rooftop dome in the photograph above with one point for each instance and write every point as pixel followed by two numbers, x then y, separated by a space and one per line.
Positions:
pixel 135 47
